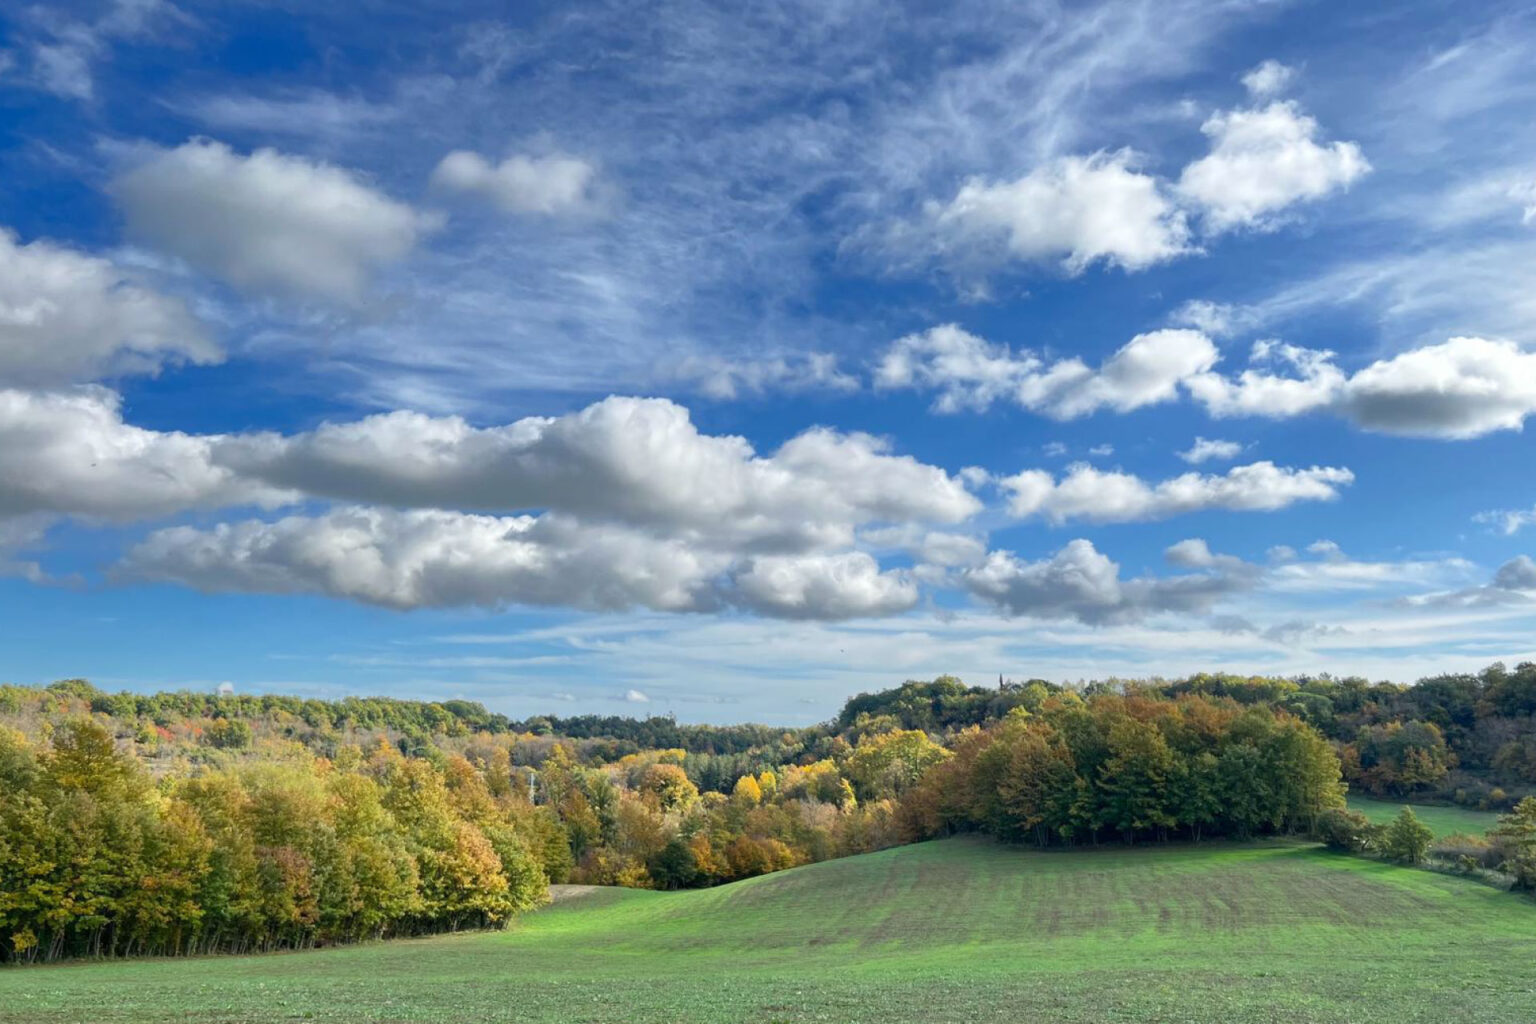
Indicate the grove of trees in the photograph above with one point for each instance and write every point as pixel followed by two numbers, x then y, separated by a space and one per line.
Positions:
pixel 188 823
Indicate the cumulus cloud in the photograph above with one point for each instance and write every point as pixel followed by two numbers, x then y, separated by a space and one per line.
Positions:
pixel 1217 319
pixel 267 222
pixel 1313 382
pixel 969 372
pixel 640 461
pixel 66 317
pixel 432 558
pixel 1263 160
pixel 416 558
pixel 550 185
pixel 1461 388
pixel 845 585
pixel 929 547
pixel 1075 210
pixel 1207 449
pixel 70 453
pixel 1078 582
pixel 1115 497
pixel 626 505
pixel 1268 79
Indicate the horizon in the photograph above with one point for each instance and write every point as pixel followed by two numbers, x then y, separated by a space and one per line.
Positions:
pixel 716 362
pixel 641 710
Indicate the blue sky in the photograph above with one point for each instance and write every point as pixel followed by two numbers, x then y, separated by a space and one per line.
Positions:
pixel 589 358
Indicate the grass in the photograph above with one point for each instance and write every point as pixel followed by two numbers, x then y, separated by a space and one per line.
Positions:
pixel 1443 821
pixel 958 930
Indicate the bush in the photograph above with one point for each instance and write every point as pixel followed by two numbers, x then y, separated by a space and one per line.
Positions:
pixel 1344 830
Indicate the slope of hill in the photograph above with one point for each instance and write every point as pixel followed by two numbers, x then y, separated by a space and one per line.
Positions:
pixel 957 930
pixel 1442 820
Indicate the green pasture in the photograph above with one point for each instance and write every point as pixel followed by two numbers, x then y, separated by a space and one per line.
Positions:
pixel 957 930
pixel 1443 821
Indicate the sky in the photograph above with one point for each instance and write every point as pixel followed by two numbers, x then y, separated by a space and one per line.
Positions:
pixel 724 361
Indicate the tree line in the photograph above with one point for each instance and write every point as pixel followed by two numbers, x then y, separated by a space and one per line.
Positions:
pixel 183 823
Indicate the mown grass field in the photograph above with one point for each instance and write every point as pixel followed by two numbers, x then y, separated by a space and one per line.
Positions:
pixel 1443 821
pixel 958 930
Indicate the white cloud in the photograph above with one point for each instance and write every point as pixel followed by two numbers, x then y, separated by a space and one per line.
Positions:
pixel 635 508
pixel 551 185
pixel 845 585
pixel 66 50
pixel 432 558
pixel 1078 582
pixel 70 453
pixel 1206 449
pixel 1262 161
pixel 929 547
pixel 267 222
pixel 630 697
pixel 1217 319
pixel 66 317
pixel 1116 497
pixel 1462 388
pixel 1268 79
pixel 640 461
pixel 1316 384
pixel 1332 570
pixel 969 372
pixel 16 536
pixel 1509 521
pixel 1513 583
pixel 1074 210
pixel 294 112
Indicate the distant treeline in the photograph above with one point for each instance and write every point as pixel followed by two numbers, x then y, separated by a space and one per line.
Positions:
pixel 179 823
pixel 1466 738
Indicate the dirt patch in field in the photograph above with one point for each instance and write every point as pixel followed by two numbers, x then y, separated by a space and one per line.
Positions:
pixel 561 893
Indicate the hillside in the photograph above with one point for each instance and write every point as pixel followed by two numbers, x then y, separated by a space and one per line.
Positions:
pixel 941 931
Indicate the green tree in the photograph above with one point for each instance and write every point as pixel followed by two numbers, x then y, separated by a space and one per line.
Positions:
pixel 1516 836
pixel 1407 839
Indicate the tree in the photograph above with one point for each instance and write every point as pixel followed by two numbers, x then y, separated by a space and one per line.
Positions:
pixel 1135 779
pixel 890 764
pixel 669 786
pixel 676 866
pixel 1516 836
pixel 1407 839
pixel 747 791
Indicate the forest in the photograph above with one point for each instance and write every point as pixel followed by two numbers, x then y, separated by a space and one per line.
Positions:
pixel 180 823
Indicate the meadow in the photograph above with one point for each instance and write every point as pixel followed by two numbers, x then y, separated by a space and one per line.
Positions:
pixel 1442 820
pixel 950 930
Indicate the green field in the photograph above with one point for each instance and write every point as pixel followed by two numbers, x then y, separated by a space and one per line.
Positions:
pixel 1443 821
pixel 958 930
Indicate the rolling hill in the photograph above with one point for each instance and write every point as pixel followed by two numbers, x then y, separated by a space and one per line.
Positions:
pixel 955 930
